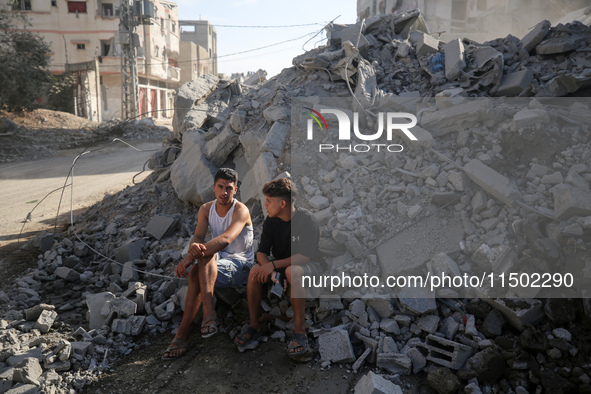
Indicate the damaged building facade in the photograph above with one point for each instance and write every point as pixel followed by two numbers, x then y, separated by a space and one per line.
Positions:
pixel 83 36
pixel 199 49
pixel 480 20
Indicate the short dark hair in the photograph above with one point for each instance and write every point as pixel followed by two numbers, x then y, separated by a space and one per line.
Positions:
pixel 227 174
pixel 283 188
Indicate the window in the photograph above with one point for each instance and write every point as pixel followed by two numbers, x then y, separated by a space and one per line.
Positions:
pixel 105 47
pixel 54 3
pixel 107 9
pixel 21 5
pixel 77 6
pixel 174 27
pixel 80 45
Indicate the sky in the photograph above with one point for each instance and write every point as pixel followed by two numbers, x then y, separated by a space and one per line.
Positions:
pixel 266 13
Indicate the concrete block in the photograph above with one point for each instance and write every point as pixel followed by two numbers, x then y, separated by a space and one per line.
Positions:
pixel 121 326
pixel 494 183
pixel 6 373
pixel 428 323
pixel 276 138
pixel 455 61
pixel 161 226
pixel 95 303
pixel 6 384
pixel 382 306
pixel 515 83
pixel 17 358
pixel 130 251
pixel 369 343
pixel 448 353
pixel 536 35
pixel 122 307
pixel 274 114
pixel 238 120
pixel 82 348
pixel 372 383
pixel 442 263
pixel 67 274
pixel 46 242
pixel 418 360
pixel 33 313
pixel 417 300
pixel 28 371
pixel 448 119
pixel 572 201
pixel 129 273
pixel 426 44
pixel 530 117
pixel 557 45
pixel 394 363
pixel 45 321
pixel 390 326
pixel 519 312
pixel 449 327
pixel 335 346
pixel 137 324
pixel 339 36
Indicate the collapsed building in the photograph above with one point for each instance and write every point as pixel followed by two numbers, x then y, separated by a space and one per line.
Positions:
pixel 489 185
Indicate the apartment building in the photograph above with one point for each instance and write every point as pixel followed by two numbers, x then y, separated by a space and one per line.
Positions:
pixel 203 35
pixel 83 36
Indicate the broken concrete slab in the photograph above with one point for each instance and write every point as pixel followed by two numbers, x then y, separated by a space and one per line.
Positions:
pixel 530 117
pixel 33 313
pixel 130 251
pixel 417 300
pixel 28 371
pixel 161 226
pixel 442 239
pixel 448 119
pixel 494 183
pixel 394 363
pixel 557 45
pixel 192 173
pixel 536 35
pixel 372 383
pixel 218 149
pixel 514 83
pixel 455 61
pixel 95 303
pixel 519 312
pixel 67 274
pixel 276 138
pixel 572 201
pixel 191 94
pixel 335 346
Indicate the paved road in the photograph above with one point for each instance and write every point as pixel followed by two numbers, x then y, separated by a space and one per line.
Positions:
pixel 23 185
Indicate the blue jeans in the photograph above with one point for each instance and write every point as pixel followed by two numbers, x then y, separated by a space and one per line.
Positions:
pixel 232 272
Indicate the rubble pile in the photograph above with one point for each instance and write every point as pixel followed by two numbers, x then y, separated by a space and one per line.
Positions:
pixel 20 142
pixel 506 192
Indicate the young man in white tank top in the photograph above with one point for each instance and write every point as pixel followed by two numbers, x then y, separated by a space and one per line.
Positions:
pixel 225 261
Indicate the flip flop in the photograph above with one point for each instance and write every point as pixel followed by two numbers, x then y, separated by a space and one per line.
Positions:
pixel 252 333
pixel 175 345
pixel 301 340
pixel 209 330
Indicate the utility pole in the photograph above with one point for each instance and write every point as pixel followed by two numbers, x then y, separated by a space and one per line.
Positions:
pixel 129 42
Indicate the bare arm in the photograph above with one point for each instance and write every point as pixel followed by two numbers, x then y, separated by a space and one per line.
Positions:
pixel 196 248
pixel 240 218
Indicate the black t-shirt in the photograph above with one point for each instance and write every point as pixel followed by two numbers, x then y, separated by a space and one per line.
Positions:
pixel 298 236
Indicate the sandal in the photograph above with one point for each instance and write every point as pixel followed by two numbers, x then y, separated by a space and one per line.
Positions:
pixel 301 341
pixel 177 343
pixel 246 335
pixel 209 327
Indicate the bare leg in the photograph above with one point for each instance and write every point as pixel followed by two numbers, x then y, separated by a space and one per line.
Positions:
pixel 208 272
pixel 192 305
pixel 254 294
pixel 298 301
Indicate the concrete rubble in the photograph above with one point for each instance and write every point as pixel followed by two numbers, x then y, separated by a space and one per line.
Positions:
pixel 505 201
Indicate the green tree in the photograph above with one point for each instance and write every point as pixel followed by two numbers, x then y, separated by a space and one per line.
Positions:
pixel 24 61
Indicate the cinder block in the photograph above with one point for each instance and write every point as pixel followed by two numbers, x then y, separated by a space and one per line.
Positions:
pixel 161 226
pixel 336 346
pixel 448 353
pixel 454 59
pixel 130 251
pixel 494 183
pixel 572 201
pixel 372 383
pixel 515 83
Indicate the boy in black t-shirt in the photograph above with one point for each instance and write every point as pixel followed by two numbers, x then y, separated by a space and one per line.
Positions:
pixel 290 234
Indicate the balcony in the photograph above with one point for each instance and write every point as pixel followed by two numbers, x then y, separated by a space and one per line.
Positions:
pixel 173 74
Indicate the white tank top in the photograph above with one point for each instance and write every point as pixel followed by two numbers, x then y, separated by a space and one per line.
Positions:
pixel 241 247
